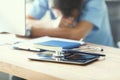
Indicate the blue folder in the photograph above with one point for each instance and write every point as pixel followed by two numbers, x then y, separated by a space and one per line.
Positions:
pixel 63 44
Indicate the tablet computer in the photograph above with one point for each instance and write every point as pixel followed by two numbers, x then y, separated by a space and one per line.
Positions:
pixel 48 56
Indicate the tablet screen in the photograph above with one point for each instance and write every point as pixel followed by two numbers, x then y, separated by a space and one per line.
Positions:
pixel 67 58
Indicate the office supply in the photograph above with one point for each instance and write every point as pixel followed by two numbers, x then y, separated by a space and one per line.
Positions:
pixel 58 43
pixel 88 48
pixel 95 48
pixel 81 52
pixel 29 45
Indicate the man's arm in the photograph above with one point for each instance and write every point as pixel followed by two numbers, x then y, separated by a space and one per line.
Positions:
pixel 41 28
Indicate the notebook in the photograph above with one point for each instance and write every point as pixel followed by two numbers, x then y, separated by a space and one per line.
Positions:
pixel 56 45
pixel 48 43
pixel 63 44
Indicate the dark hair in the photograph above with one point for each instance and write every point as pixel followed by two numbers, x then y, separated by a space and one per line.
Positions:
pixel 67 6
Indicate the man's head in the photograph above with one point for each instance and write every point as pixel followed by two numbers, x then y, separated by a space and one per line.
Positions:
pixel 69 8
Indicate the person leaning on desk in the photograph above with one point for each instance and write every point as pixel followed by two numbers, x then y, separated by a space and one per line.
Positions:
pixel 86 19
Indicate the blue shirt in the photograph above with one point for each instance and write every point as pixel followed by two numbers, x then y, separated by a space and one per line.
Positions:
pixel 95 12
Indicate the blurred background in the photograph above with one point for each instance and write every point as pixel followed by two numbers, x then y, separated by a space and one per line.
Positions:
pixel 114 14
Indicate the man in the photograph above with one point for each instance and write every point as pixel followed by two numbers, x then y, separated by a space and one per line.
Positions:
pixel 86 19
pixel 90 15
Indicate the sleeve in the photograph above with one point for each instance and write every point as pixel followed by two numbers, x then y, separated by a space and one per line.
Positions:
pixel 94 12
pixel 38 9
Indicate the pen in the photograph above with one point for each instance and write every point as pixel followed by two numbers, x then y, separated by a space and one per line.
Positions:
pixel 81 52
pixel 95 48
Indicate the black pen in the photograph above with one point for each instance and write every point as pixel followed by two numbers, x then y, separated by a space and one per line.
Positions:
pixel 81 52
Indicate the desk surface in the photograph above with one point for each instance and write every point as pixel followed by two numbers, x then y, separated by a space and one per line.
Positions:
pixel 16 62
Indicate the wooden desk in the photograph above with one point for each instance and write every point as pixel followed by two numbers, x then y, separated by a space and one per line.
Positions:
pixel 15 62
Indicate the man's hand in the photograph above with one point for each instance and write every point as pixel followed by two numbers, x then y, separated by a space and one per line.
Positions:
pixel 67 22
